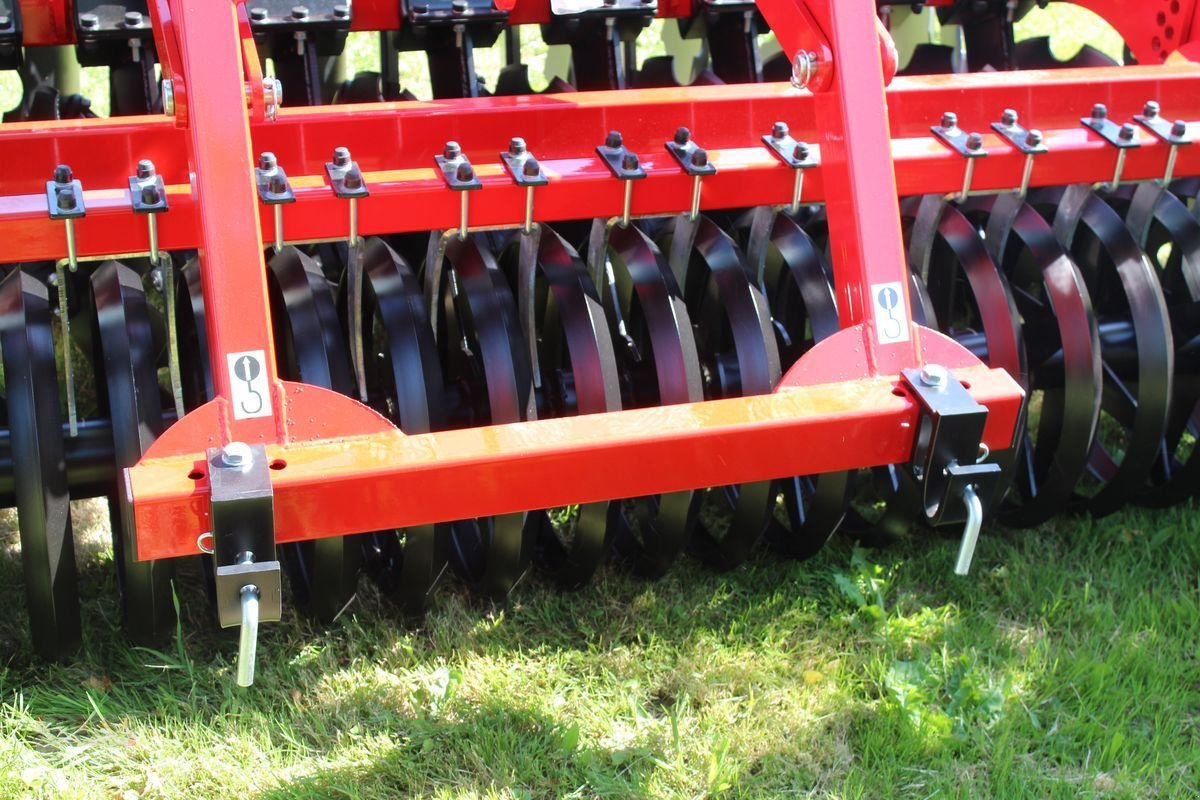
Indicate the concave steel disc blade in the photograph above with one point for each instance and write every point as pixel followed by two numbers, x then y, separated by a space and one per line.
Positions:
pixel 803 312
pixel 738 357
pixel 43 504
pixel 487 365
pixel 578 375
pixel 656 354
pixel 403 373
pixel 1170 237
pixel 1135 341
pixel 195 371
pixel 129 395
pixel 310 348
pixel 1063 352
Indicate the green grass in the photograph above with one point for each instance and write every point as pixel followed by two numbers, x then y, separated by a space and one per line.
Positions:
pixel 1068 665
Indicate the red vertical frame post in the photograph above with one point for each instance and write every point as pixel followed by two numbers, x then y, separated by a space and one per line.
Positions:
pixel 870 273
pixel 232 270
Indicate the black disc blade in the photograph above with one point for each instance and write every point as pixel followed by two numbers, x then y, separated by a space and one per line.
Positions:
pixel 43 504
pixel 403 373
pixel 128 393
pixel 310 348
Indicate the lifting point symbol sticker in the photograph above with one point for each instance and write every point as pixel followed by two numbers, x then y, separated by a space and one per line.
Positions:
pixel 248 382
pixel 891 317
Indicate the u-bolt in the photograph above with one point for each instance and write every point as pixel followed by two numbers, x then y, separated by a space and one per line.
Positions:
pixel 970 536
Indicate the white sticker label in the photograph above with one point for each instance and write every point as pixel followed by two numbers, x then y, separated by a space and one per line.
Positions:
pixel 891 317
pixel 251 394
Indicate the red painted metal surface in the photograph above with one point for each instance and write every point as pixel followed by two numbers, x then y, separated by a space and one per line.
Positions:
pixel 395 144
pixel 232 270
pixel 47 22
pixel 336 486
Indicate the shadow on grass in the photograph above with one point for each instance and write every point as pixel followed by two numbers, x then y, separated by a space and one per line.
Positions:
pixel 484 749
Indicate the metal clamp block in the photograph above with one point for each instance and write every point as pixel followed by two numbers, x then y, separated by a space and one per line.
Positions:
pixel 456 169
pixel 243 529
pixel 147 192
pixel 64 195
pixel 1123 137
pixel 272 182
pixel 345 178
pixel 945 454
pixel 795 154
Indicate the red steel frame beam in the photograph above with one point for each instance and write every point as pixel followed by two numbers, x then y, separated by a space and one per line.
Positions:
pixel 340 468
pixel 839 408
pixel 395 144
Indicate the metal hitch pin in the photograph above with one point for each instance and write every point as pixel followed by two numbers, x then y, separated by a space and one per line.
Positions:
pixel 64 200
pixel 970 537
pixel 248 641
pixel 248 634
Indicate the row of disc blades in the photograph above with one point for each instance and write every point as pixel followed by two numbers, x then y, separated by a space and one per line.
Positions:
pixel 1088 298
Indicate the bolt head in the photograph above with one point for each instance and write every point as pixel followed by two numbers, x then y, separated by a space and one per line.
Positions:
pixel 237 455
pixel 352 180
pixel 531 168
pixel 299 12
pixel 949 120
pixel 801 151
pixel 699 157
pixel 1151 109
pixel 341 11
pixel 276 184
pixel 62 174
pixel 630 162
pixel 1099 112
pixel 779 130
pixel 341 157
pixel 516 146
pixel 89 21
pixel 934 375
pixel 464 173
pixel 682 136
pixel 259 14
pixel 133 19
pixel 156 280
pixel 66 198
pixel 975 142
pixel 1128 133
pixel 145 169
pixel 452 151
pixel 613 141
pixel 150 195
pixel 266 161
pixel 1034 138
pixel 1179 129
pixel 1009 118
pixel 5 20
pixel 459 6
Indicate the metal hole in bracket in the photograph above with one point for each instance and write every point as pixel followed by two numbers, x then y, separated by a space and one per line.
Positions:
pixel 278 464
pixel 196 475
